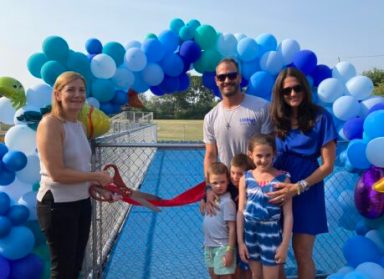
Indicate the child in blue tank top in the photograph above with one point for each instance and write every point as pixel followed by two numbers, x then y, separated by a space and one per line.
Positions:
pixel 263 239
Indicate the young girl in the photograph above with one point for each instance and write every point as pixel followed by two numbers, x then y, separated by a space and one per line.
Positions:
pixel 262 242
pixel 220 229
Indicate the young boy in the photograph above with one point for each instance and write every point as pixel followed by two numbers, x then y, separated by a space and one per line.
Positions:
pixel 219 229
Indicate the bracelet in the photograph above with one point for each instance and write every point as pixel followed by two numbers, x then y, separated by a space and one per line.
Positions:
pixel 228 248
pixel 303 185
pixel 298 189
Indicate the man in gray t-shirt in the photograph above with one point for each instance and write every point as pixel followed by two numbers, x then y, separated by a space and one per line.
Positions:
pixel 233 121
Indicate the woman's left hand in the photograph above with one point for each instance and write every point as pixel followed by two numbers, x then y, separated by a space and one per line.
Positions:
pixel 282 192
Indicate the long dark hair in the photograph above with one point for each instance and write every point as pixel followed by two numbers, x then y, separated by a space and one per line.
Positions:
pixel 281 112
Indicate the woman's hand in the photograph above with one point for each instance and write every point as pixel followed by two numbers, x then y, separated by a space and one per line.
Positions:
pixel 243 252
pixel 103 178
pixel 282 192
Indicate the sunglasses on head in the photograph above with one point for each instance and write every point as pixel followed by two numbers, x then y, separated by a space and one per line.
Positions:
pixel 287 90
pixel 230 76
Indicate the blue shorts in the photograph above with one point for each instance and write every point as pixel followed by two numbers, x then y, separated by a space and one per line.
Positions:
pixel 262 239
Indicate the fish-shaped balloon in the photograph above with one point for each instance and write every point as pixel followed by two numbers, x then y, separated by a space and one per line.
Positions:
pixel 95 121
pixel 13 90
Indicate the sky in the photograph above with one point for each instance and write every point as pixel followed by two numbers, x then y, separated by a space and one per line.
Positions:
pixel 335 30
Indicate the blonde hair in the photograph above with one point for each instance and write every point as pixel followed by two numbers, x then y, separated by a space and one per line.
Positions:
pixel 217 168
pixel 61 81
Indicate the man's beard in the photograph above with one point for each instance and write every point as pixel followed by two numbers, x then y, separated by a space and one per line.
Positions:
pixel 232 92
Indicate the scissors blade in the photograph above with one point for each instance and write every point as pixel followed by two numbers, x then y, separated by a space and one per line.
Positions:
pixel 146 203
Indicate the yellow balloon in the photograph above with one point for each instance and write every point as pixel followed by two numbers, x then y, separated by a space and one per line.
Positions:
pixel 379 185
pixel 95 121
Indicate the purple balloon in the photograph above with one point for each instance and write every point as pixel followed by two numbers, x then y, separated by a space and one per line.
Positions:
pixel 368 201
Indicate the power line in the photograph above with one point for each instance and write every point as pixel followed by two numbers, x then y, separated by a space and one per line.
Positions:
pixel 362 56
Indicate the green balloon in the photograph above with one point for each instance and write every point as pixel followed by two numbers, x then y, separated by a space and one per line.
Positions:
pixel 150 36
pixel 208 61
pixel 205 36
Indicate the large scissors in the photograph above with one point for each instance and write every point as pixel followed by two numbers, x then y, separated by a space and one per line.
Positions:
pixel 119 187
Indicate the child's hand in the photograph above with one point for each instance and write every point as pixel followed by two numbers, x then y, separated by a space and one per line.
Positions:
pixel 202 207
pixel 281 255
pixel 243 252
pixel 228 258
pixel 211 205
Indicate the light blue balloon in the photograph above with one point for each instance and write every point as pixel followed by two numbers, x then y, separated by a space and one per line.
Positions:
pixel 271 62
pixel 133 44
pixel 372 270
pixel 170 40
pixel 139 84
pixel 330 89
pixel 226 45
pixel 359 249
pixel 374 124
pixel 375 152
pixel 343 71
pixel 356 275
pixel 356 154
pixel 123 78
pixel 153 74
pixel 135 59
pixel 261 84
pixel 248 49
pixel 346 107
pixel 248 68
pixel 288 48
pixel 360 87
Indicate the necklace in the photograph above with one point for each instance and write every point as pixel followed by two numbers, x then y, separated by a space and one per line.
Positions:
pixel 228 121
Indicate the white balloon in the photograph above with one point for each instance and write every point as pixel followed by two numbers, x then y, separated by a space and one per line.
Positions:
pixel 103 66
pixel 29 200
pixel 135 59
pixel 133 44
pixel 21 138
pixel 39 95
pixel 271 62
pixel 367 104
pixel 31 172
pixel 7 111
pixel 226 45
pixel 375 152
pixel 123 78
pixel 346 107
pixel 330 89
pixel 360 87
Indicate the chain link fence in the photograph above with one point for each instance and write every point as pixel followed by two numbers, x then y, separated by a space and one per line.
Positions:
pixel 133 242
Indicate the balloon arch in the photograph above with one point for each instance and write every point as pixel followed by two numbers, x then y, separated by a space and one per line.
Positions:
pixel 162 64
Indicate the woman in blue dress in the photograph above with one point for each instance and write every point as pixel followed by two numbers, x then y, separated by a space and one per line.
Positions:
pixel 304 132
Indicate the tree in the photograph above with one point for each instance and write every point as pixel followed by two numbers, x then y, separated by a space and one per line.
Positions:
pixel 377 77
pixel 193 103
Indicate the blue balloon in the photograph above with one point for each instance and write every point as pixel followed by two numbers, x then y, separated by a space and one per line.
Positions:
pixel 153 49
pixel 172 65
pixel 361 228
pixel 170 40
pixel 356 154
pixel 6 177
pixel 184 82
pixel 120 98
pixel 3 149
pixel 35 62
pixel 93 46
pixel 107 108
pixel 18 214
pixel 321 73
pixel 17 244
pixel 379 106
pixel 353 128
pixel 169 84
pixel 260 84
pixel 248 49
pixel 31 267
pixel 55 48
pixel 139 85
pixel 116 51
pixel 373 124
pixel 248 68
pixel 157 90
pixel 305 61
pixel 359 249
pixel 190 51
pixel 208 79
pixel 5 268
pixel 14 160
pixel 51 70
pixel 5 226
pixel 267 42
pixel 5 203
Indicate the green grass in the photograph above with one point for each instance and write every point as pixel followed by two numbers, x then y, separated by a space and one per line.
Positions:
pixel 179 130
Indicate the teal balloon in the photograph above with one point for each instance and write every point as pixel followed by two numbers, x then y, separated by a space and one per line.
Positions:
pixel 207 61
pixel 186 33
pixel 51 70
pixel 193 23
pixel 116 51
pixel 55 48
pixel 205 36
pixel 103 90
pixel 176 24
pixel 35 62
pixel 79 62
